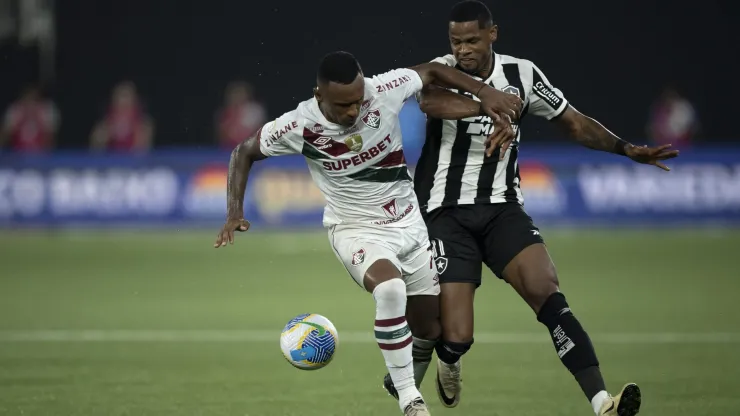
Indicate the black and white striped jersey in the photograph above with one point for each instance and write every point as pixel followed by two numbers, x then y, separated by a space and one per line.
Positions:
pixel 453 169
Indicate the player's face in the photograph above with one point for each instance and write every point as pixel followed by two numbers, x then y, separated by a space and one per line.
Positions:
pixel 471 45
pixel 341 103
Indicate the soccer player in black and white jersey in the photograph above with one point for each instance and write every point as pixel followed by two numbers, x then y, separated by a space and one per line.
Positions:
pixel 468 189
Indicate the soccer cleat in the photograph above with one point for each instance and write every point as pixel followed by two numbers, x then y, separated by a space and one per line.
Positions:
pixel 416 408
pixel 389 387
pixel 626 403
pixel 449 383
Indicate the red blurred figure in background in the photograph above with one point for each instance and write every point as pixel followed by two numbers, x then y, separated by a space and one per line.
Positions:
pixel 30 124
pixel 240 117
pixel 673 120
pixel 125 127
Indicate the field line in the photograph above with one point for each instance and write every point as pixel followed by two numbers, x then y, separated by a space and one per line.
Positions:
pixel 268 336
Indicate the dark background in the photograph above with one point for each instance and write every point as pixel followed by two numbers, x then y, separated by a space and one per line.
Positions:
pixel 611 59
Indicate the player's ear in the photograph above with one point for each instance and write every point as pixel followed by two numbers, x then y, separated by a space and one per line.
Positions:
pixel 493 33
pixel 317 94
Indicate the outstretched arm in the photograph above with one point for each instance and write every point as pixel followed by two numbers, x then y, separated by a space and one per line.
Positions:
pixel 447 105
pixel 590 133
pixel 240 164
pixel 493 101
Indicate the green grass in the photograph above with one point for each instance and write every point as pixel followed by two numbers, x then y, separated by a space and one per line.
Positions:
pixel 661 307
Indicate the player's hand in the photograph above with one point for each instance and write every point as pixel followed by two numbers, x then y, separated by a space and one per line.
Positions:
pixel 494 102
pixel 226 235
pixel 502 136
pixel 651 155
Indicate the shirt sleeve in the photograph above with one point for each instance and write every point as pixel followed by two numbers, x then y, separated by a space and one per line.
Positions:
pixel 444 60
pixel 282 136
pixel 544 99
pixel 397 86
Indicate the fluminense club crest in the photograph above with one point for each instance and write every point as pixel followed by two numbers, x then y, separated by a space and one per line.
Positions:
pixel 372 119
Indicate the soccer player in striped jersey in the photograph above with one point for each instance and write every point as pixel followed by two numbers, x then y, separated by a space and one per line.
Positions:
pixel 468 188
pixel 350 135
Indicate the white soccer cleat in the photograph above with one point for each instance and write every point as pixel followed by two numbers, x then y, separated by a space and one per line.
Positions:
pixel 416 408
pixel 449 383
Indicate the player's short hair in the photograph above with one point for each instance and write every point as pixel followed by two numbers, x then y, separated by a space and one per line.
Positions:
pixel 472 10
pixel 340 67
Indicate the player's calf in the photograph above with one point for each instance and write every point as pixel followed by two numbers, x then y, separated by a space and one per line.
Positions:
pixel 394 337
pixel 574 348
pixel 532 274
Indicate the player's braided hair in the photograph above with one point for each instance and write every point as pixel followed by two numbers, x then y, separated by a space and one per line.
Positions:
pixel 470 11
pixel 340 67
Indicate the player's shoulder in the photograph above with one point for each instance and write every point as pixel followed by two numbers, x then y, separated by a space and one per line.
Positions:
pixel 291 122
pixel 391 75
pixel 448 60
pixel 389 81
pixel 522 62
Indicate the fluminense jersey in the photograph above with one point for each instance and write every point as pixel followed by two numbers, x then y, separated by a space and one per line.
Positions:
pixel 361 170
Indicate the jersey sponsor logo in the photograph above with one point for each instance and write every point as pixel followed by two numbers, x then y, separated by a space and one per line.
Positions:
pixel 372 119
pixel 365 156
pixel 391 209
pixel 358 257
pixel 351 130
pixel 354 142
pixel 274 136
pixel 547 95
pixel 480 125
pixel 393 84
pixel 323 143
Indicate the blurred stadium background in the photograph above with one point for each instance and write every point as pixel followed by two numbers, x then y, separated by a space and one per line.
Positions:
pixel 113 301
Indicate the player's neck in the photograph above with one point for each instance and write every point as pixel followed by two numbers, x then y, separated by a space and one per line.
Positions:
pixel 487 69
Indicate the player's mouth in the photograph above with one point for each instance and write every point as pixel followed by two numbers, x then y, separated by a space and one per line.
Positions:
pixel 468 61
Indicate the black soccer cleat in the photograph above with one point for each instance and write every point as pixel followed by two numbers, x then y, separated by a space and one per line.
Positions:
pixel 389 387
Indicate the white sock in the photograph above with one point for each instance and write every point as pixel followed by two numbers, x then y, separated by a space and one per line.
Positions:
pixel 422 351
pixel 598 400
pixel 394 337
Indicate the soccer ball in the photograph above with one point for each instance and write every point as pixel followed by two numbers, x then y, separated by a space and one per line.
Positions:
pixel 309 341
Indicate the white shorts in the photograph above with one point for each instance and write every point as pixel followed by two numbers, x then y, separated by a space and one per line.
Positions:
pixel 358 246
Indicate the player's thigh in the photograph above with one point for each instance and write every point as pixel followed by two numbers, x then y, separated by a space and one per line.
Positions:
pixel 532 274
pixel 457 255
pixel 456 311
pixel 514 250
pixel 369 257
pixel 509 231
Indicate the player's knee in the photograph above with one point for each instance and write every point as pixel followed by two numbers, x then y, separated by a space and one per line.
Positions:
pixel 391 292
pixel 458 333
pixel 429 329
pixel 451 352
pixel 554 306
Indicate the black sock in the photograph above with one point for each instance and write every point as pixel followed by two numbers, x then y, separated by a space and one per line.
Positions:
pixel 450 352
pixel 572 344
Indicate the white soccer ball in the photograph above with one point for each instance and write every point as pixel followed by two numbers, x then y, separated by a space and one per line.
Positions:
pixel 309 341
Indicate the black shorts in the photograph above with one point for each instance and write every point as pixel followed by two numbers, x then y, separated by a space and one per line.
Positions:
pixel 465 236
